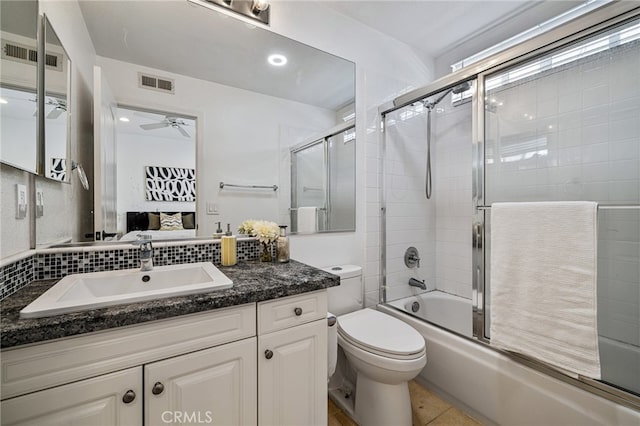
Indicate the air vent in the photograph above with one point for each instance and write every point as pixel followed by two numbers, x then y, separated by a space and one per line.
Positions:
pixel 17 52
pixel 154 82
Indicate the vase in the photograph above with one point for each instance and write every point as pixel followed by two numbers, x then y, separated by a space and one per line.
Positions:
pixel 265 255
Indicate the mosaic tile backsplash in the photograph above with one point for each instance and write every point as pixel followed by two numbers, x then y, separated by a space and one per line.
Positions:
pixel 43 266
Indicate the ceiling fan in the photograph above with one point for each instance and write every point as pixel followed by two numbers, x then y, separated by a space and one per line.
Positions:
pixel 168 121
pixel 59 106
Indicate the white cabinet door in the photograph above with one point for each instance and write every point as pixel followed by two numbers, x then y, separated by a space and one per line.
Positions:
pixel 98 401
pixel 212 386
pixel 292 376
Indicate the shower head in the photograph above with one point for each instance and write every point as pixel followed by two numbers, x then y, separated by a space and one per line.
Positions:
pixel 456 90
pixel 461 88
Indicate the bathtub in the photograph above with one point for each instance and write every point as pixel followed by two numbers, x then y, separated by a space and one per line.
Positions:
pixel 446 310
pixel 494 387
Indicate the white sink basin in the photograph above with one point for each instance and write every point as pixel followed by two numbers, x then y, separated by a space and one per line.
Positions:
pixel 81 292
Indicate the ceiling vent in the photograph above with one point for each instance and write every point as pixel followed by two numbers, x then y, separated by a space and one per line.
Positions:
pixel 153 82
pixel 18 52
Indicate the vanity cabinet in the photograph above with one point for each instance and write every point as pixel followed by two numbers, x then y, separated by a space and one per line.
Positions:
pixel 95 401
pixel 292 360
pixel 262 363
pixel 213 386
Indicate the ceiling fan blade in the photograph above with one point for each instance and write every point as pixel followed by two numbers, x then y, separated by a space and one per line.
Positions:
pixel 55 113
pixel 182 131
pixel 152 126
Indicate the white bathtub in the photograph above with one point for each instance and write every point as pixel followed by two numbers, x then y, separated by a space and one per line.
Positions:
pixel 446 310
pixel 499 390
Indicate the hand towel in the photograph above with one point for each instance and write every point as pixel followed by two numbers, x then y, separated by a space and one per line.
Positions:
pixel 307 220
pixel 543 283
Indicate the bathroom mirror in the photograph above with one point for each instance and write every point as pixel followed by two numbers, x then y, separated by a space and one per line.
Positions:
pixel 56 106
pixel 18 83
pixel 191 60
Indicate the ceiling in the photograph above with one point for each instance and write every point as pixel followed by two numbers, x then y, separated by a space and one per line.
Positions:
pixel 433 27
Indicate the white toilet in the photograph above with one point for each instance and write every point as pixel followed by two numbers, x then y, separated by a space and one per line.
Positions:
pixel 384 352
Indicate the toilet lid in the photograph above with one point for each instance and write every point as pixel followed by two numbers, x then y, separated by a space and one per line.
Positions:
pixel 381 333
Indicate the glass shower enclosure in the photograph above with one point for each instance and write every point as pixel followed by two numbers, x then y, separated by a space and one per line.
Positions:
pixel 561 125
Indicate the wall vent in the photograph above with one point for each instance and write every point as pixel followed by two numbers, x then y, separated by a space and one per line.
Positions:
pixel 18 52
pixel 153 82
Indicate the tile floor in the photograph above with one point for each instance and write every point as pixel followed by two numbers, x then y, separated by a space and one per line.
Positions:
pixel 428 409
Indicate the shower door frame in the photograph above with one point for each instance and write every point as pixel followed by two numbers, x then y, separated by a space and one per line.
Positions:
pixel 590 24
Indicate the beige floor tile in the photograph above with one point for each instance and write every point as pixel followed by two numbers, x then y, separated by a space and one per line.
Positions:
pixel 425 406
pixel 454 417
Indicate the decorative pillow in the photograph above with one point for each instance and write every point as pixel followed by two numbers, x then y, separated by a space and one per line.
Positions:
pixel 154 221
pixel 171 222
pixel 189 221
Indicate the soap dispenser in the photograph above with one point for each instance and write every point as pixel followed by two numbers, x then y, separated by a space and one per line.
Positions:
pixel 228 248
pixel 219 233
pixel 282 245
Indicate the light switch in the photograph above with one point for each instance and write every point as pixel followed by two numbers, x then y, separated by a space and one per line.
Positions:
pixel 212 209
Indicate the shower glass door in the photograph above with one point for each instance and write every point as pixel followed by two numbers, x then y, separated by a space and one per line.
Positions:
pixel 438 227
pixel 564 127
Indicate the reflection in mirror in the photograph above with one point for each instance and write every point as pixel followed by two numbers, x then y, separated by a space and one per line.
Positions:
pixel 183 58
pixel 18 77
pixel 56 86
pixel 156 156
pixel 323 183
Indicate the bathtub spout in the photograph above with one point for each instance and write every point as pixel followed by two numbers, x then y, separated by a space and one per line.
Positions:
pixel 416 283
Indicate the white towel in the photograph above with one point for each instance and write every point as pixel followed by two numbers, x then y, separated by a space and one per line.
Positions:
pixel 543 283
pixel 307 220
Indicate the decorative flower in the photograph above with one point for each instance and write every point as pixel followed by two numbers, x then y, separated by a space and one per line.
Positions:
pixel 266 232
pixel 246 227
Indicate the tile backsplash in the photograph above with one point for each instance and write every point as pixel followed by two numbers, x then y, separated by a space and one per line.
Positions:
pixel 57 264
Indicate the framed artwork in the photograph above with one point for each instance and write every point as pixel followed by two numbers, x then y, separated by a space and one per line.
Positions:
pixel 170 184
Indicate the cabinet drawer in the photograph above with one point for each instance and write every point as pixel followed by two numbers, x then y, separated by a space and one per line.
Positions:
pixel 290 311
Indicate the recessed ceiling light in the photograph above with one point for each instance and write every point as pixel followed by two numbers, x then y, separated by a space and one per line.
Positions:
pixel 124 119
pixel 3 101
pixel 277 59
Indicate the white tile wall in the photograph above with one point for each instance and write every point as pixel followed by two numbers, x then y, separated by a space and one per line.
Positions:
pixel 440 227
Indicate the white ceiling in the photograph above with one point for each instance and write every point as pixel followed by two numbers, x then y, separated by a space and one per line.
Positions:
pixel 433 27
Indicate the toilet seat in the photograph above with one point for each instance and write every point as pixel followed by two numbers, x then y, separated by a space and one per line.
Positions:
pixel 381 334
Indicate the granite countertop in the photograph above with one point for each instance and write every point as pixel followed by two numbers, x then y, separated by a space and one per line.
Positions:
pixel 252 282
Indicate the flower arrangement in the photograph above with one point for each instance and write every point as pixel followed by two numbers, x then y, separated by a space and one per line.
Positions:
pixel 266 232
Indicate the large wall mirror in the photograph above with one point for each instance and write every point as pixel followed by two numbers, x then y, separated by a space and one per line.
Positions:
pixel 57 66
pixel 18 84
pixel 252 95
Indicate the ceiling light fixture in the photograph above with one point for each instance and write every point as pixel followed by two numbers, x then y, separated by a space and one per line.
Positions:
pixel 259 6
pixel 256 10
pixel 3 101
pixel 124 119
pixel 277 60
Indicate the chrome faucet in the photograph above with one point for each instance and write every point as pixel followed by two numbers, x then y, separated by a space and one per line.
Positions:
pixel 146 252
pixel 416 283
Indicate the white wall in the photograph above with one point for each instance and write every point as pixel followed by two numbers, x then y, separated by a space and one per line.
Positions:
pixel 134 153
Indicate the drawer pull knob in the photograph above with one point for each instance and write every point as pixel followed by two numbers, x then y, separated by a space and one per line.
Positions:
pixel 297 311
pixel 157 389
pixel 128 396
pixel 268 354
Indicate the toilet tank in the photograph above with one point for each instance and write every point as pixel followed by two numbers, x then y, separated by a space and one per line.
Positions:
pixel 347 297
